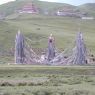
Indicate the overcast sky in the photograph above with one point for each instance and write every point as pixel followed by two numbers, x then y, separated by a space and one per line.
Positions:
pixel 5 1
pixel 73 2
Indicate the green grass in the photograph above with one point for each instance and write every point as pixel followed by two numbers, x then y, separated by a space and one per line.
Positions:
pixel 47 80
pixel 37 28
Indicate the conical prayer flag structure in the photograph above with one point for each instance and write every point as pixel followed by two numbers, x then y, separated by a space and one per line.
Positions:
pixel 51 48
pixel 19 48
pixel 80 53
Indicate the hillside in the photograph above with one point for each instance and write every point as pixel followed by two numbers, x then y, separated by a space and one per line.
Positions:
pixel 89 8
pixel 11 7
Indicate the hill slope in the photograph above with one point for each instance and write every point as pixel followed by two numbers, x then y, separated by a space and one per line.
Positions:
pixel 11 7
pixel 89 8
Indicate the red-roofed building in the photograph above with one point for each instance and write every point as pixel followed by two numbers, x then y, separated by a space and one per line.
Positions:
pixel 29 8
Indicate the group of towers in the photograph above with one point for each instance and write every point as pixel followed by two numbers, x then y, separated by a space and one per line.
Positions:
pixel 26 55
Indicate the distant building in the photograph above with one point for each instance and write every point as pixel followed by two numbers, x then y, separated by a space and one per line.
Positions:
pixel 88 18
pixel 69 12
pixel 29 8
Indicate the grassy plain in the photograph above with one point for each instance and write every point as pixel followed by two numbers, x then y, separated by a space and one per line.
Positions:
pixel 47 80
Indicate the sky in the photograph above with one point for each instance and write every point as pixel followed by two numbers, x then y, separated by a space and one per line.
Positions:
pixel 5 1
pixel 73 2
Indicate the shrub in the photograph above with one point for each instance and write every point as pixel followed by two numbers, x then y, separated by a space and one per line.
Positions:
pixel 25 76
pixel 42 93
pixel 6 84
pixel 22 84
pixel 78 92
pixel 31 84
pixel 4 94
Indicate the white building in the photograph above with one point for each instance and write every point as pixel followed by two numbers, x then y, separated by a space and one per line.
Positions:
pixel 88 18
pixel 69 13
